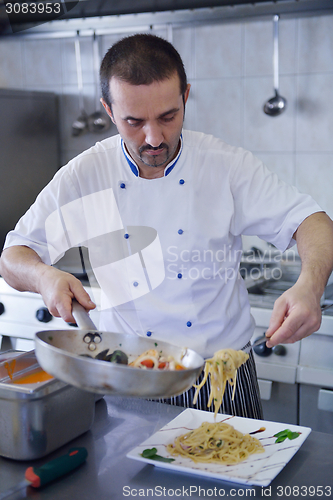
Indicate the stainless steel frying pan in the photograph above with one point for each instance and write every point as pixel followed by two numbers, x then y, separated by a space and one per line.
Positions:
pixel 61 353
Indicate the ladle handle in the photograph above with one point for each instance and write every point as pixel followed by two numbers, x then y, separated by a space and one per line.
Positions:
pixel 81 317
pixel 96 69
pixel 276 52
pixel 79 70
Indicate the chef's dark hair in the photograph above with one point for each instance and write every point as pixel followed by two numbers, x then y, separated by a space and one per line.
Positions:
pixel 141 60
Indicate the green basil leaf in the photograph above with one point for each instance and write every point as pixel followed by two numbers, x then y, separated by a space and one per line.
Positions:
pixel 286 433
pixel 281 439
pixel 152 455
pixel 149 452
pixel 293 435
pixel 162 459
pixel 282 433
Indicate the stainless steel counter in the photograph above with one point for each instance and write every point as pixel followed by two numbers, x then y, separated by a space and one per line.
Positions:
pixel 120 424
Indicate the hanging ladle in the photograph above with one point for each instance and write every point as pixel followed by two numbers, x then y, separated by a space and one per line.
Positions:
pixel 80 125
pixel 277 104
pixel 97 121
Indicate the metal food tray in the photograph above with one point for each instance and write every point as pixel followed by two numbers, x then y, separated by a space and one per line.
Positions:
pixel 37 418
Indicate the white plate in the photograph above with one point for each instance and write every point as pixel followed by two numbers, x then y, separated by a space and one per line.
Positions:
pixel 259 469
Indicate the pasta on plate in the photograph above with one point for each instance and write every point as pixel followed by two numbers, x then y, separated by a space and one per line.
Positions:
pixel 215 442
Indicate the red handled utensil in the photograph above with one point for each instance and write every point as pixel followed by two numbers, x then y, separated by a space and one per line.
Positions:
pixel 40 476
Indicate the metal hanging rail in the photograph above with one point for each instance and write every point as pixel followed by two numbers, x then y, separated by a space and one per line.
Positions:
pixel 145 21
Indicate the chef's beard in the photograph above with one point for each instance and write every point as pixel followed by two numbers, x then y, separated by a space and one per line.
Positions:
pixel 158 160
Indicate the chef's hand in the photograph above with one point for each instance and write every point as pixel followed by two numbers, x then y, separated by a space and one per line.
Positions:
pixel 296 314
pixel 23 269
pixel 58 289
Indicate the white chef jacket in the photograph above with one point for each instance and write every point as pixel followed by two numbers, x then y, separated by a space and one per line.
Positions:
pixel 210 195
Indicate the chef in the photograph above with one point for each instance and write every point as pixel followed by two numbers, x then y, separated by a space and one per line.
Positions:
pixel 193 196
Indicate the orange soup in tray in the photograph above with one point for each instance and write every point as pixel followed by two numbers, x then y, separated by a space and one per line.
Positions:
pixel 34 378
pixel 31 378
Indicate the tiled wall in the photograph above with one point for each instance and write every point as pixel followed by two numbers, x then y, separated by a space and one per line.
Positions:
pixel 230 69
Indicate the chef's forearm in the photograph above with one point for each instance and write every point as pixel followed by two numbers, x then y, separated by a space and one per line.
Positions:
pixel 21 267
pixel 314 239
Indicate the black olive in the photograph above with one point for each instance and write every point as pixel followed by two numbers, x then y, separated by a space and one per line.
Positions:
pixel 117 356
pixel 85 355
pixel 102 355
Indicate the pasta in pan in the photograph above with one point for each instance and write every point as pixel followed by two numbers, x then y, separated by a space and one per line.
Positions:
pixel 221 368
pixel 215 442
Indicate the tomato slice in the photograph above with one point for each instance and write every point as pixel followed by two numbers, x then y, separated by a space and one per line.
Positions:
pixel 148 363
pixel 162 365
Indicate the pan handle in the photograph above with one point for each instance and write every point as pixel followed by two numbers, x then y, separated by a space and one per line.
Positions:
pixel 81 317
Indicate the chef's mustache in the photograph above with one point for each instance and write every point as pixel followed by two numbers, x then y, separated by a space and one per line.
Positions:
pixel 152 148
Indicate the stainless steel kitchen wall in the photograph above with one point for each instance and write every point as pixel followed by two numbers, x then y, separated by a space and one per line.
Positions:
pixel 230 68
pixel 29 151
